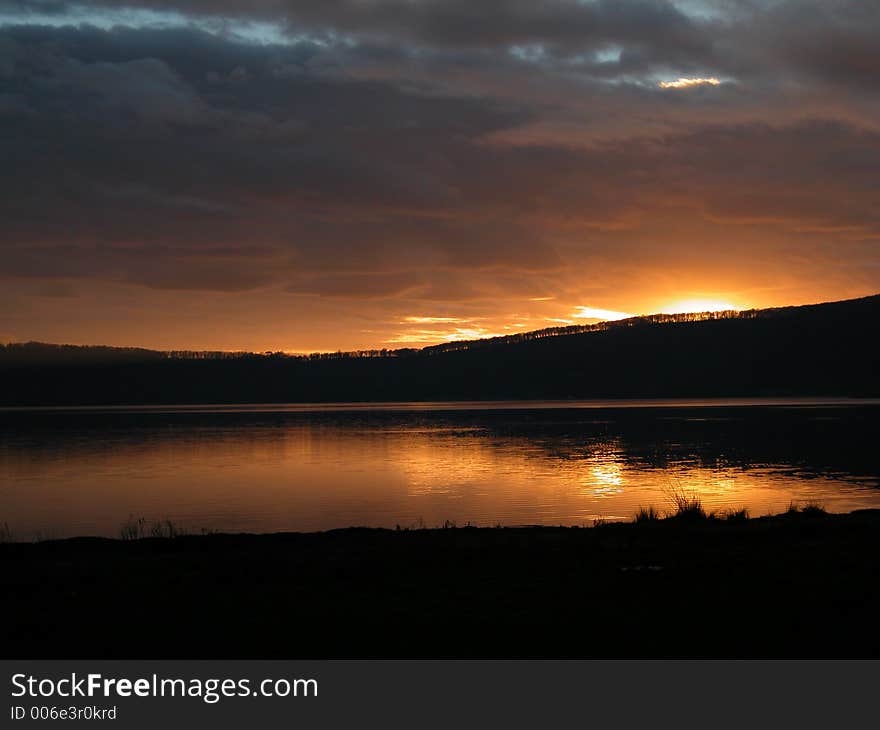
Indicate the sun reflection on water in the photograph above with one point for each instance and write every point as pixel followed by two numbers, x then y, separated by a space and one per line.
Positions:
pixel 310 475
pixel 603 471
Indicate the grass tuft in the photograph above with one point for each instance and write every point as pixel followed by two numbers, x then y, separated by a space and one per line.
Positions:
pixel 687 504
pixel 810 508
pixel 813 508
pixel 135 529
pixel 647 514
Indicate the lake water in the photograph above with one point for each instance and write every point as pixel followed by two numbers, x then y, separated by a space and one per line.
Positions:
pixel 262 468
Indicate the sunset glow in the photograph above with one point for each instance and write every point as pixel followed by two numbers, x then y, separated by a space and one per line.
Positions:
pixel 348 176
pixel 600 315
pixel 700 305
pixel 431 320
pixel 344 328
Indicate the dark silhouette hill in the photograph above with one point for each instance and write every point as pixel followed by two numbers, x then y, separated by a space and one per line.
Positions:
pixel 816 350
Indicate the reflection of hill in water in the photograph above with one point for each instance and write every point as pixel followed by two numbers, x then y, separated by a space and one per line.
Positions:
pixel 833 441
pixel 830 441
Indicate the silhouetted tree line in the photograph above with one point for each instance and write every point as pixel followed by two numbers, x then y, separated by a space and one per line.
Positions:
pixel 35 352
pixel 826 349
pixel 579 329
pixel 26 353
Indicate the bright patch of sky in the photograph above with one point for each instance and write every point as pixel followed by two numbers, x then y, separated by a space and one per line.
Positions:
pixel 610 54
pixel 687 83
pixel 599 315
pixel 531 52
pixel 701 9
pixel 249 31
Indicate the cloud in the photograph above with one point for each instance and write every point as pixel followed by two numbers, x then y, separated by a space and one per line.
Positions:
pixel 685 83
pixel 358 286
pixel 599 315
pixel 432 320
pixel 423 156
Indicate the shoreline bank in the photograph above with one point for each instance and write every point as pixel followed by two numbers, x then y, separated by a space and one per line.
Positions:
pixel 799 584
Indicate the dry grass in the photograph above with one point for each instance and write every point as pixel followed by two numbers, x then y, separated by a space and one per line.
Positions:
pixel 810 508
pixel 137 528
pixel 647 514
pixel 686 504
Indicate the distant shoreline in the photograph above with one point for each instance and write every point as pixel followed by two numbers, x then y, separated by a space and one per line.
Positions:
pixel 800 584
pixel 666 519
pixel 477 405
pixel 818 351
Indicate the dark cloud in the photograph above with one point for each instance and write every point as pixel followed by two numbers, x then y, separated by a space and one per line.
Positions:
pixel 454 22
pixel 436 151
pixel 377 285
pixel 117 149
pixel 790 37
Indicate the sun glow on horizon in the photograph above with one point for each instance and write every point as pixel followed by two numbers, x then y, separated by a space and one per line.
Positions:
pixel 686 306
pixel 429 337
pixel 428 329
pixel 602 315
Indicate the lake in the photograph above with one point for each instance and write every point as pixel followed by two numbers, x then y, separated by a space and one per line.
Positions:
pixel 264 468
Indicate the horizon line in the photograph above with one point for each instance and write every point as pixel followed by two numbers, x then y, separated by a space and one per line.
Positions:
pixel 716 314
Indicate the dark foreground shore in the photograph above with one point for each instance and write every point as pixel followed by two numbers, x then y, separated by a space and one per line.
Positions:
pixel 793 585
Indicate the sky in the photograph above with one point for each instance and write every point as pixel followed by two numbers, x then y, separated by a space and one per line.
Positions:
pixel 319 175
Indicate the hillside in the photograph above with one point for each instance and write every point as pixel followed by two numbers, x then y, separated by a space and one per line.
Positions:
pixel 823 349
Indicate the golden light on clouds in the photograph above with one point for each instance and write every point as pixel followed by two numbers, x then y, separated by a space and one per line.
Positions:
pixel 422 330
pixel 431 337
pixel 432 320
pixel 685 306
pixel 685 83
pixel 602 315
pixel 609 168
